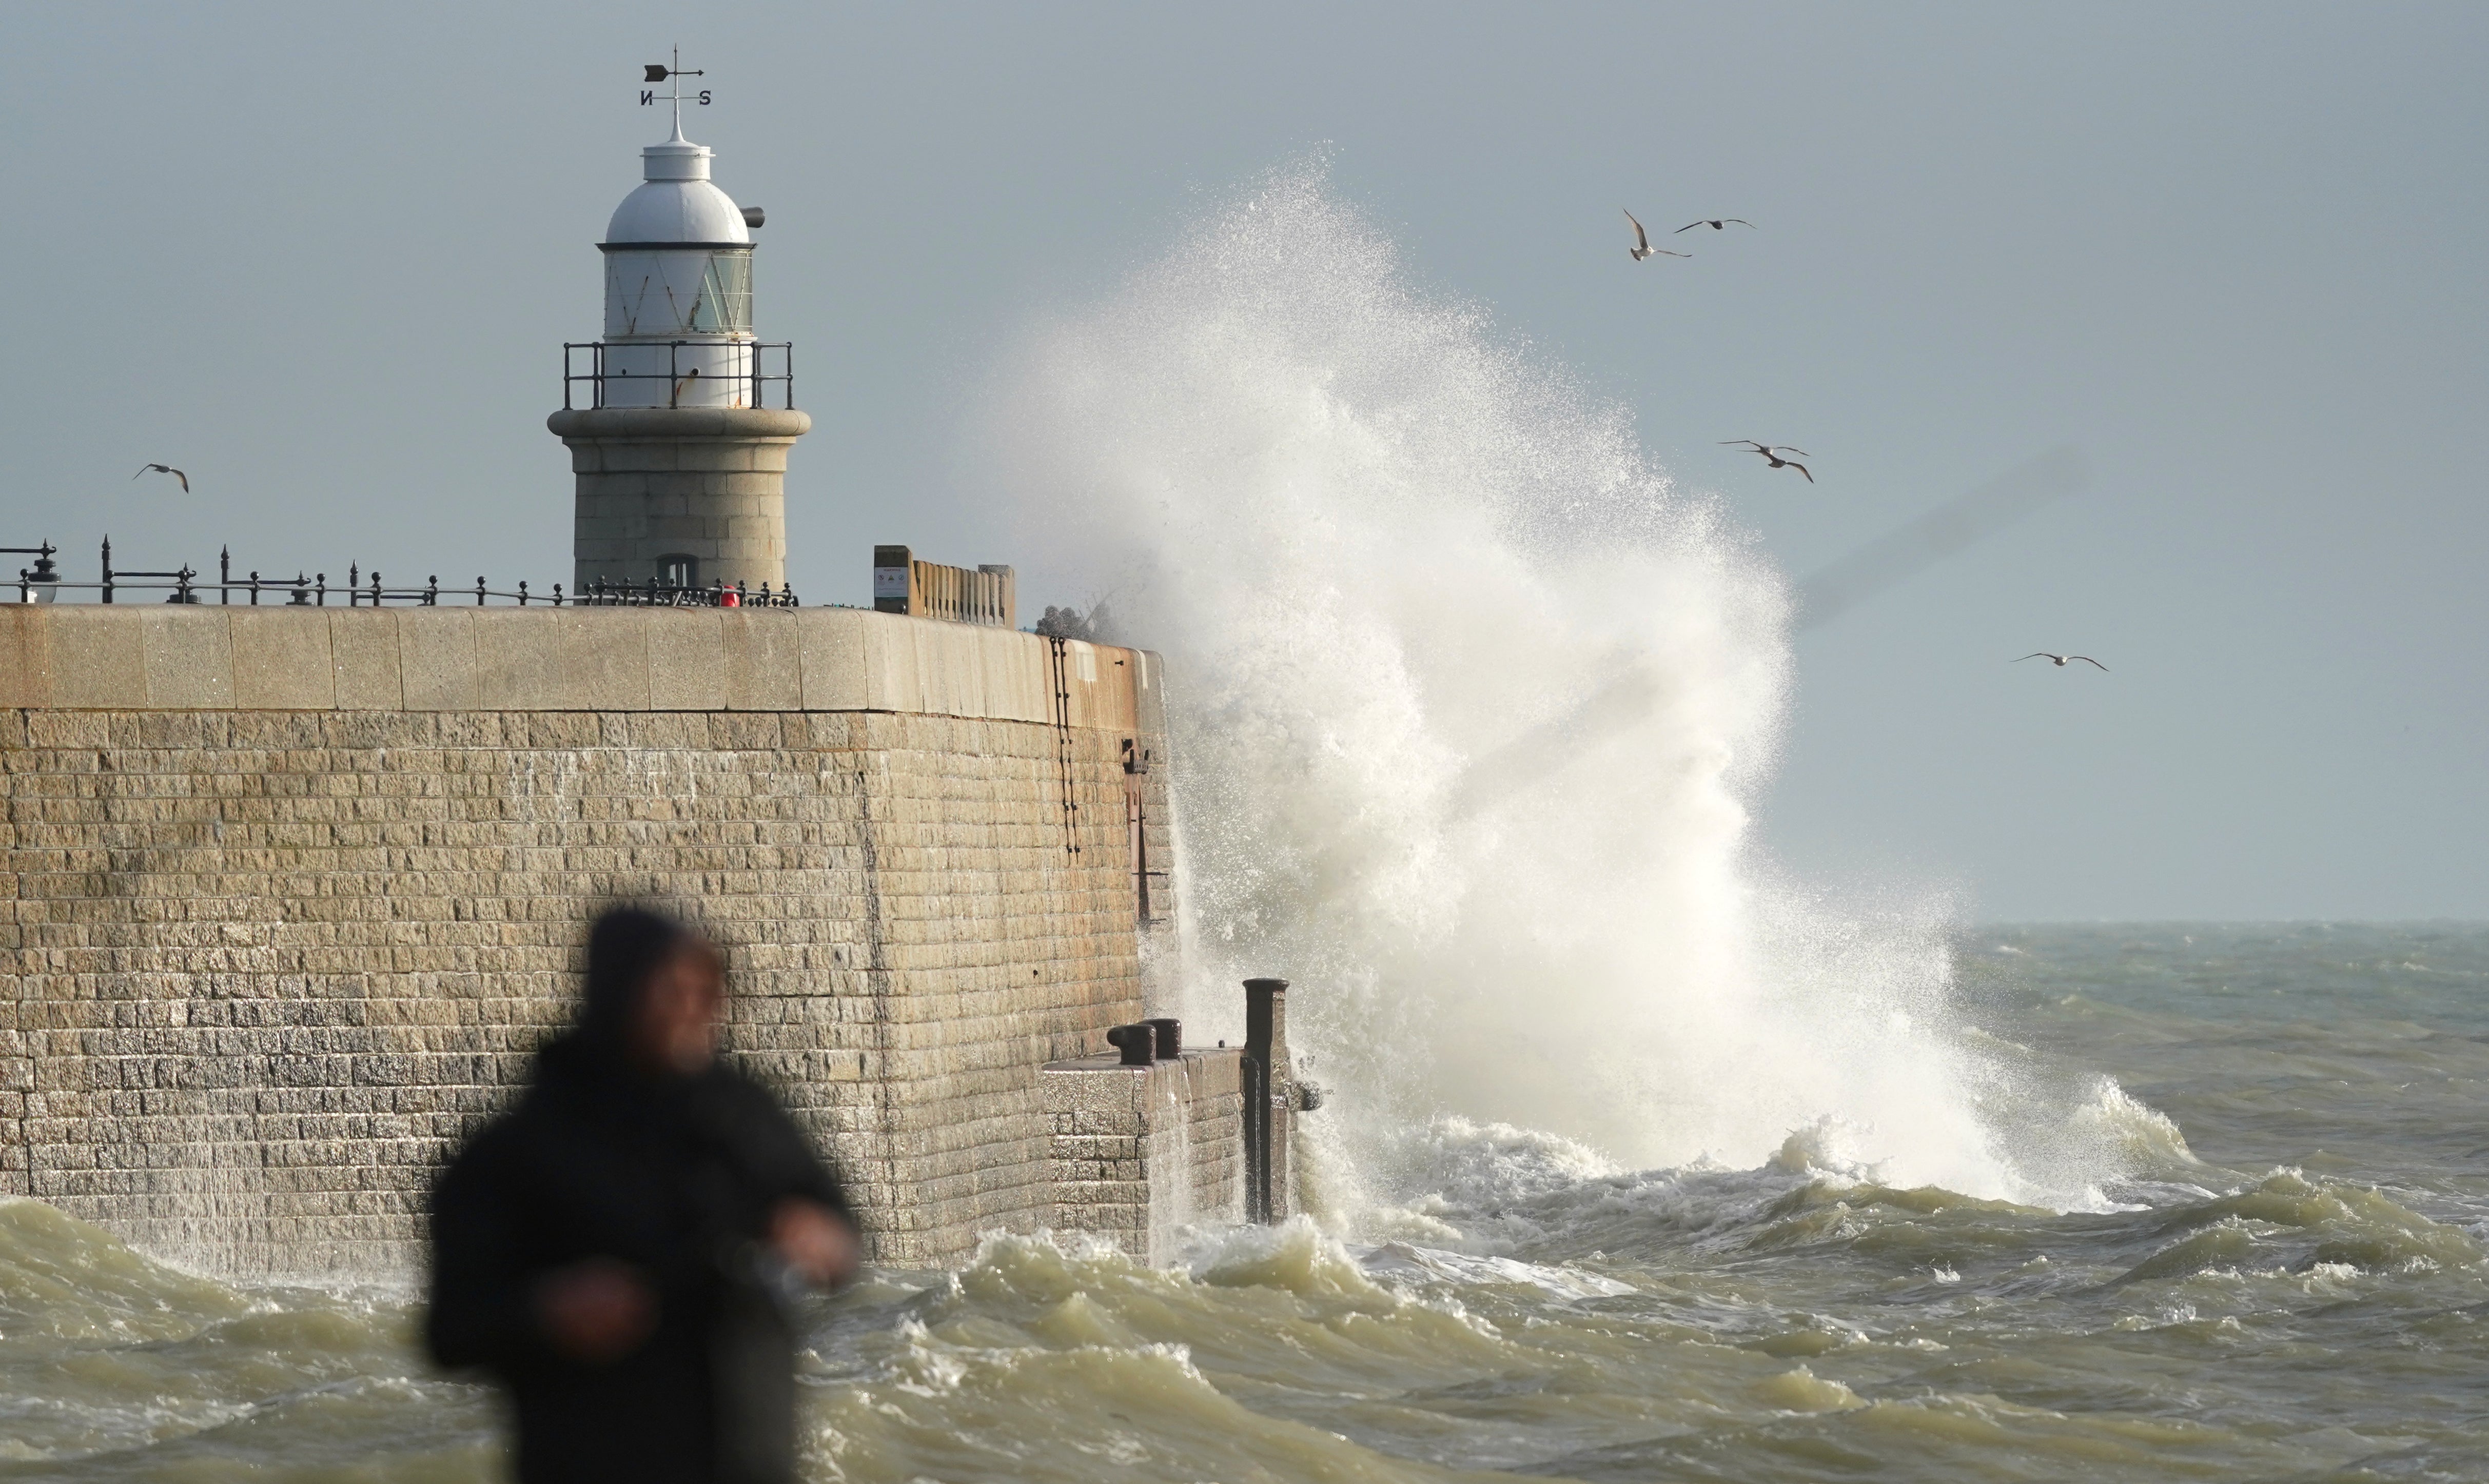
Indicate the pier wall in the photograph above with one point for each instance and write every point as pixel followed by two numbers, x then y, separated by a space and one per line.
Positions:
pixel 291 894
pixel 1140 1153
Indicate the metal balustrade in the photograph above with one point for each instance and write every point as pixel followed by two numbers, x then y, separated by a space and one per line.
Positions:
pixel 42 582
pixel 690 364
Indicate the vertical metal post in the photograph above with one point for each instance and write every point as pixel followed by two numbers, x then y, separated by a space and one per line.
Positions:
pixel 1266 1099
pixel 224 575
pixel 107 569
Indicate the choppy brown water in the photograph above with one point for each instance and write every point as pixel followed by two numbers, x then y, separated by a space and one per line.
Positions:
pixel 2294 1290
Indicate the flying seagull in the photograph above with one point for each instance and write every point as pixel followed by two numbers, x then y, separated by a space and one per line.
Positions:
pixel 1716 224
pixel 2059 660
pixel 165 468
pixel 1641 248
pixel 1772 455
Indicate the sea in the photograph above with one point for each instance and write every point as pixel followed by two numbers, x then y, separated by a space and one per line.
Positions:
pixel 2289 1281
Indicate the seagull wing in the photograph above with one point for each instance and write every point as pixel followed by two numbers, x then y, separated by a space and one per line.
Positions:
pixel 185 479
pixel 144 469
pixel 1664 254
pixel 1742 443
pixel 2088 660
pixel 1642 239
pixel 1788 449
pixel 1688 227
pixel 1801 469
pixel 1739 220
pixel 2037 654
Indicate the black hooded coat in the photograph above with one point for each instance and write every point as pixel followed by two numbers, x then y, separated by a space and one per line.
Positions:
pixel 676 1176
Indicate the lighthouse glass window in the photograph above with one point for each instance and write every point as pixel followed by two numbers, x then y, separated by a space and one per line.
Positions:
pixel 660 294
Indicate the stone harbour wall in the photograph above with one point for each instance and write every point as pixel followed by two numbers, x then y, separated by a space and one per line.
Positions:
pixel 293 893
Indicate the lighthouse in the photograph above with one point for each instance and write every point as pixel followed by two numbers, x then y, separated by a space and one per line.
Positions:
pixel 680 418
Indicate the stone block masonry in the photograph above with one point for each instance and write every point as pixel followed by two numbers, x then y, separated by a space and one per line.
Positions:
pixel 1141 1152
pixel 292 893
pixel 684 495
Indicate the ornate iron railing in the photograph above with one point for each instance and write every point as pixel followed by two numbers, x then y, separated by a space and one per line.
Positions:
pixel 42 582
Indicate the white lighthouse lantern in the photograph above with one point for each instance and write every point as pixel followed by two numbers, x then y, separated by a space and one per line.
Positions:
pixel 679 287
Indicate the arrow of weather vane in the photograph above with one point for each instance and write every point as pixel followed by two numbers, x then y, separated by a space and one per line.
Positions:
pixel 659 71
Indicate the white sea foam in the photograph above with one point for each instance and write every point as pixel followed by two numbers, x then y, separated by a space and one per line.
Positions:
pixel 1470 697
pixel 1405 1259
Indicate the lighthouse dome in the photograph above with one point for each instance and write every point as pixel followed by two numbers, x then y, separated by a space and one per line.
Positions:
pixel 677 203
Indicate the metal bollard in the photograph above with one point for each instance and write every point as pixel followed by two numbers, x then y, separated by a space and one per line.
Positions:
pixel 1137 1042
pixel 1267 1075
pixel 1170 1037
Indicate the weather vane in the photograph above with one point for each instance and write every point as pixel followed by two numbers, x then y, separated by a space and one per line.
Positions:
pixel 659 71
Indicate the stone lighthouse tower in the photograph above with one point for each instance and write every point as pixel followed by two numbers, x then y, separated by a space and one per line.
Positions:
pixel 679 420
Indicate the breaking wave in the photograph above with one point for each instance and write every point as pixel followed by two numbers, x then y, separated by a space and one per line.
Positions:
pixel 1470 697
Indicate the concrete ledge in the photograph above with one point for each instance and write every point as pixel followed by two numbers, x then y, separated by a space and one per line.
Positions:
pixel 217 658
pixel 637 423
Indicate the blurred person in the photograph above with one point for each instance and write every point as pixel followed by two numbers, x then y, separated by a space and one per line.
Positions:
pixel 622 1250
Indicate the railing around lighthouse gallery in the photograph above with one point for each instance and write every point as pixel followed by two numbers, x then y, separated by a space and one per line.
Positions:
pixel 678 373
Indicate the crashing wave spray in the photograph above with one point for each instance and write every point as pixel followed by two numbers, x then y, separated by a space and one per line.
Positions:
pixel 1467 694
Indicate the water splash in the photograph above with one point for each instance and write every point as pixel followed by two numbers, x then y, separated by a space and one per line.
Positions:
pixel 1470 697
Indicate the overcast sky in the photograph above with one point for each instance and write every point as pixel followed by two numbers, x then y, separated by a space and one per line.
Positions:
pixel 325 257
